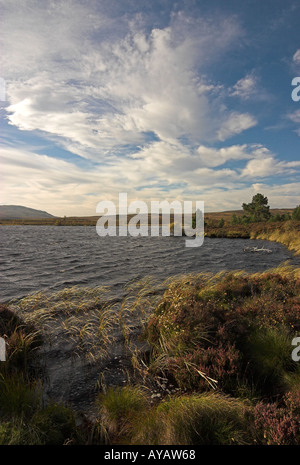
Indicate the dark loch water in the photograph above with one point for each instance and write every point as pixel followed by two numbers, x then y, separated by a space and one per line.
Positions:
pixel 34 258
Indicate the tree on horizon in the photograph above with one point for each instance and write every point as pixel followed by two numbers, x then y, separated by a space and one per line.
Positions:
pixel 258 209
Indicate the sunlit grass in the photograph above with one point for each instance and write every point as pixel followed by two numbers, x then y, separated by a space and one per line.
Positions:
pixel 118 406
pixel 81 314
pixel 204 419
pixel 289 238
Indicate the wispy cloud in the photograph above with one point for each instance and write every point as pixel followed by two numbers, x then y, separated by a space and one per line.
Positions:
pixel 295 118
pixel 108 94
pixel 245 87
pixel 235 123
pixel 296 57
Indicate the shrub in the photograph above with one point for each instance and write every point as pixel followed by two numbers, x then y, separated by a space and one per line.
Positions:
pixel 206 366
pixel 296 213
pixel 276 425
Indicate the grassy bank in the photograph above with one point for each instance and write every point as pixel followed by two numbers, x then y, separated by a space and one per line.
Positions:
pixel 208 362
pixel 287 232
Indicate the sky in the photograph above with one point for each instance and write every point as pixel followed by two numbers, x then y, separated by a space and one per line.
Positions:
pixel 163 100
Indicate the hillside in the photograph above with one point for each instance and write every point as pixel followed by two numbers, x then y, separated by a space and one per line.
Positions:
pixel 227 215
pixel 14 212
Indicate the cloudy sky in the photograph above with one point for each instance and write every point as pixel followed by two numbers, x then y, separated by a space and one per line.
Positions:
pixel 187 100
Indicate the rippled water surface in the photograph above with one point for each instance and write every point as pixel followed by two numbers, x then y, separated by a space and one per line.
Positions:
pixel 37 258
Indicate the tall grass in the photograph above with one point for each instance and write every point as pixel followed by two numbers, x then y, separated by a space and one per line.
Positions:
pixel 185 420
pixel 269 350
pixel 79 315
pixel 207 419
pixel 18 397
pixel 291 239
pixel 118 406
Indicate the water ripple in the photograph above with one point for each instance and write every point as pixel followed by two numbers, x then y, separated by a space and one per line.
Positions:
pixel 34 258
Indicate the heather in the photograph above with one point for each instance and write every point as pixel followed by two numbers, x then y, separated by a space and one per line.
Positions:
pixel 204 360
pixel 229 329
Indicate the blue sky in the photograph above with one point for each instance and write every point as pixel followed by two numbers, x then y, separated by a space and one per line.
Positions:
pixel 186 100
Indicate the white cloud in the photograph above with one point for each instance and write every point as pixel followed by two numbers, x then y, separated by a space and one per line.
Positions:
pixel 161 170
pixel 216 157
pixel 296 57
pixel 245 87
pixel 98 90
pixel 235 123
pixel 268 166
pixel 295 118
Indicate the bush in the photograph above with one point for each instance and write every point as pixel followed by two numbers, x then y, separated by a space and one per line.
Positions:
pixel 275 425
pixel 296 213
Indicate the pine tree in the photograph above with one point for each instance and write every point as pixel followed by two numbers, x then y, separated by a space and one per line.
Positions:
pixel 258 209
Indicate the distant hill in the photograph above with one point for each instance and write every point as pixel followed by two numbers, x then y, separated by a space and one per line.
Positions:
pixel 17 212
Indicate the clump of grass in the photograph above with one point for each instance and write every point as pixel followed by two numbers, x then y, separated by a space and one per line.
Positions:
pixel 18 397
pixel 22 341
pixel 118 406
pixel 80 315
pixel 21 347
pixel 269 351
pixel 52 425
pixel 56 425
pixel 17 432
pixel 209 418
